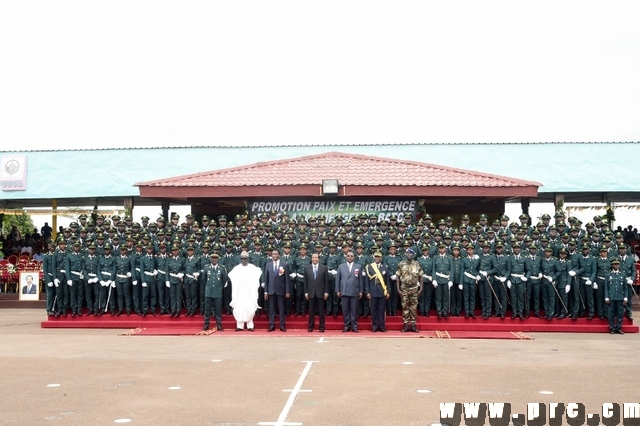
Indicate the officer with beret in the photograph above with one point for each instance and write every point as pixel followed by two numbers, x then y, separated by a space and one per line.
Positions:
pixel 215 278
pixel 616 296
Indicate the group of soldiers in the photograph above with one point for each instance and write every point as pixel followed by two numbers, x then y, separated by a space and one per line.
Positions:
pixel 156 268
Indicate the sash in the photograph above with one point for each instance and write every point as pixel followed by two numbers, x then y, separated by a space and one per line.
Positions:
pixel 378 275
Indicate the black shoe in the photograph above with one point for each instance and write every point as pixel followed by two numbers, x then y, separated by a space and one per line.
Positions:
pixel 612 332
pixel 128 313
pixel 73 314
pixel 501 316
pixel 620 332
pixel 283 329
pixel 238 329
pixel 536 314
pixel 526 316
pixel 574 317
pixel 549 318
pixel 345 330
pixel 271 329
pixel 355 330
pixel 321 330
pixel 138 313
pixel 439 316
pixel 335 315
pixel 112 313
pixel 473 316
pixel 561 316
pixel 514 316
pixel 521 318
pixel 445 316
pixel 118 313
pixel 405 328
pixel 628 314
pixel 219 328
pixel 590 317
pixel 250 329
pixel 485 317
pixel 309 330
pixel 414 328
pixel 602 317
pixel 383 330
pixel 64 314
pixel 88 313
pixel 466 316
pixel 205 329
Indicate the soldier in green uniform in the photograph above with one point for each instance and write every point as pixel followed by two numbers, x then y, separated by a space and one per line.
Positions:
pixel 334 259
pixel 162 279
pixel 442 275
pixel 457 300
pixel 175 271
pixel 587 274
pixel 297 276
pixel 409 286
pixel 502 275
pixel 534 277
pixel 49 274
pixel 603 267
pixel 616 296
pixel 92 286
pixel 60 277
pixel 215 278
pixel 148 272
pixel 123 281
pixel 426 263
pixel 517 282
pixel 628 268
pixel 563 284
pixel 549 269
pixel 73 268
pixel 392 261
pixel 469 272
pixel 191 275
pixel 485 289
pixel 136 279
pixel 106 278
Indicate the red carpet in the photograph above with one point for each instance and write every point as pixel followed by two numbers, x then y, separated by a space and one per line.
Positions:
pixel 196 331
pixel 453 324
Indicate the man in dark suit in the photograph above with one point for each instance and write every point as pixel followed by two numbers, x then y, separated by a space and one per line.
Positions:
pixel 30 287
pixel 377 291
pixel 349 288
pixel 277 287
pixel 316 290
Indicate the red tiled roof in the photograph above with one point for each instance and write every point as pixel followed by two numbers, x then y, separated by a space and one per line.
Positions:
pixel 349 169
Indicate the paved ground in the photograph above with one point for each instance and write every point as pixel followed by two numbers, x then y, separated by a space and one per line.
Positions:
pixel 104 377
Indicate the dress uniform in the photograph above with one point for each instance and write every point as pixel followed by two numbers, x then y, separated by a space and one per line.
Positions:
pixel 297 277
pixel 229 260
pixel 377 290
pixel 534 277
pixel 549 268
pixel 92 286
pixel 136 278
pixel 469 273
pixel 457 293
pixel 586 274
pixel 486 269
pixel 215 279
pixel 392 261
pixel 162 279
pixel 123 281
pixel 603 267
pixel 502 275
pixel 148 273
pixel 175 269
pixel 49 275
pixel 517 282
pixel 616 295
pixel 409 283
pixel 334 259
pixel 106 278
pixel 563 283
pixel 441 274
pixel 60 278
pixel 426 263
pixel 191 275
pixel 628 268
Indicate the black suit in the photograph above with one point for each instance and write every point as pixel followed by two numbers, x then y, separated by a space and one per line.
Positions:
pixel 277 285
pixel 315 288
pixel 25 289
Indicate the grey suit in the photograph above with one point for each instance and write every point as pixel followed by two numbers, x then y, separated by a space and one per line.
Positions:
pixel 350 285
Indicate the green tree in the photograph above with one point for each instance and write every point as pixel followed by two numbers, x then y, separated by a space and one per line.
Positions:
pixel 22 220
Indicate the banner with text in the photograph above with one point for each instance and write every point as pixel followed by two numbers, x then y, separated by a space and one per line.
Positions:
pixel 332 208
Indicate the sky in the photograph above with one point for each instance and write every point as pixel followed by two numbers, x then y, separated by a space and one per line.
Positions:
pixel 81 74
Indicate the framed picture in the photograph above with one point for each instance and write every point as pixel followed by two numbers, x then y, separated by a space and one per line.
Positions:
pixel 28 286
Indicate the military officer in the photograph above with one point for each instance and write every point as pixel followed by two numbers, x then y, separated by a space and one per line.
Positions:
pixel 148 272
pixel 534 277
pixel 73 268
pixel 175 271
pixel 297 277
pixel 628 267
pixel 123 281
pixel 409 286
pixel 334 259
pixel 442 280
pixel 49 274
pixel 392 261
pixel 215 278
pixel 60 277
pixel 603 267
pixel 162 280
pixel 136 279
pixel 502 275
pixel 191 275
pixel 426 263
pixel 106 278
pixel 487 269
pixel 377 290
pixel 517 282
pixel 563 283
pixel 587 275
pixel 616 296
pixel 92 286
pixel 470 275
pixel 549 269
pixel 457 299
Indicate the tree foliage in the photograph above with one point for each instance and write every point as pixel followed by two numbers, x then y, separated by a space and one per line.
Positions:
pixel 22 221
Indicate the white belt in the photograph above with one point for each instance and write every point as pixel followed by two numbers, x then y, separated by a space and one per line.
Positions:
pixel 50 274
pixel 498 277
pixel 174 275
pixel 534 278
pixel 92 275
pixel 162 272
pixel 518 275
pixel 441 275
pixel 547 277
pixel 76 273
pixel 599 277
pixel 190 276
pixel 585 278
pixel 106 273
pixel 467 274
pixel 138 269
pixel 121 276
pixel 63 271
pixel 148 273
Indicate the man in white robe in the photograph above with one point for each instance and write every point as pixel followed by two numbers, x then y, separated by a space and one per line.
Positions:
pixel 245 281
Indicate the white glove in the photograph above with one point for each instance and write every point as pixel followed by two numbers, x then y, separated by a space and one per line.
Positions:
pixel 292 275
pixel 393 277
pixel 128 274
pixel 432 278
pixel 503 279
pixel 524 279
pixel 625 300
pixel 435 284
pixel 180 275
pixel 548 278
pixel 103 283
pixel 425 276
pixel 262 285
pixel 477 277
pixel 70 283
pixel 225 285
pixel 476 257
pixel 113 284
pixel 135 282
pixel 450 284
pixel 588 282
pixel 607 299
pixel 57 282
pixel 572 273
pixel 155 272
pixel 567 288
pixel 509 284
pixel 384 272
pixel 196 275
pixel 540 275
pixel 49 284
pixel 333 272
pixel 143 284
pixel 300 275
pixel 629 281
pixel 460 286
pixel 167 284
pixel 595 286
pixel 483 273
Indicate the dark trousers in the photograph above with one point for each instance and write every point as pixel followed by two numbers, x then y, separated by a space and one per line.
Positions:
pixel 216 303
pixel 90 296
pixel 485 296
pixel 616 310
pixel 278 300
pixel 316 303
pixel 62 294
pixel 175 293
pixel 201 298
pixel 424 301
pixel 51 297
pixel 598 296
pixel 301 301
pixel 161 294
pixel 363 306
pixel 124 294
pixel 136 296
pixel 392 301
pixel 350 311
pixel 517 297
pixel 226 298
pixel 378 305
pixel 442 298
pixel 73 296
pixel 333 302
pixel 191 293
pixel 456 299
pixel 469 296
pixel 501 290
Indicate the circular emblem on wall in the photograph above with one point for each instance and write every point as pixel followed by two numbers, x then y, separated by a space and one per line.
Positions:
pixel 11 167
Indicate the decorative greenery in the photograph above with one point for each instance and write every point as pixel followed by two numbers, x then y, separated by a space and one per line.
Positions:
pixel 610 217
pixel 23 221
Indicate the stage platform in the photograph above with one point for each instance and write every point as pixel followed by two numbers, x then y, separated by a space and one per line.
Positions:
pixel 394 323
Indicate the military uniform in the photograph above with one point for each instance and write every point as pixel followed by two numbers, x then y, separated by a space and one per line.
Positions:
pixel 175 269
pixel 469 273
pixel 457 291
pixel 92 286
pixel 563 284
pixel 616 295
pixel 442 274
pixel 377 290
pixel 628 267
pixel 534 277
pixel 603 267
pixel 297 277
pixel 586 274
pixel 409 275
pixel 49 274
pixel 549 269
pixel 148 273
pixel 517 283
pixel 426 263
pixel 191 275
pixel 106 278
pixel 487 268
pixel 123 282
pixel 215 279
pixel 333 261
pixel 60 278
pixel 502 275
pixel 392 261
pixel 162 281
pixel 229 260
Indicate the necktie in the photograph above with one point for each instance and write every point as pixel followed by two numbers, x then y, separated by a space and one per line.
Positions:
pixel 349 267
pixel 275 266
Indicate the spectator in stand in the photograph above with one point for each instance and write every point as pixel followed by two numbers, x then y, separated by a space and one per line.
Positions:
pixel 37 256
pixel 46 232
pixel 14 235
pixel 35 235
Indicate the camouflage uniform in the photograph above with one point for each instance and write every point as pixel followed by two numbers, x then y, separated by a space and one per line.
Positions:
pixel 410 275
